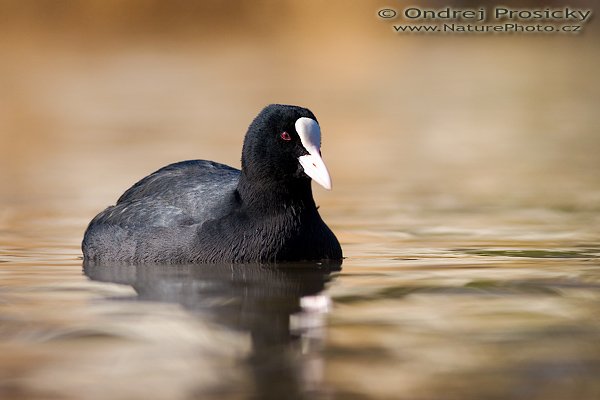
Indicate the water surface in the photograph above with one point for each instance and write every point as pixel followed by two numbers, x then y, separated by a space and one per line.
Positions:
pixel 477 312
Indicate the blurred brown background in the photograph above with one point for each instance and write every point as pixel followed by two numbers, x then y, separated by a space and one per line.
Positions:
pixel 96 94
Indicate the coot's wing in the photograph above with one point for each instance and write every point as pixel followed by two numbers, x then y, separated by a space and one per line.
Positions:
pixel 184 193
pixel 182 178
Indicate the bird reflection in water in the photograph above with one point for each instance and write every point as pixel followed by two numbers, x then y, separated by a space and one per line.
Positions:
pixel 282 307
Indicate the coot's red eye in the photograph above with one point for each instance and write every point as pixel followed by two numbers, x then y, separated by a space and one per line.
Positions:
pixel 286 136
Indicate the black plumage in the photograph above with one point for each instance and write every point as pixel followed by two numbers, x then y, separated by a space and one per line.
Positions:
pixel 203 211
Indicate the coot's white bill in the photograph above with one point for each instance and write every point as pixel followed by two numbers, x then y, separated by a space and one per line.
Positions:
pixel 310 136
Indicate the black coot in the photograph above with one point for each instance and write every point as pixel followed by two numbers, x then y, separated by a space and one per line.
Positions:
pixel 202 211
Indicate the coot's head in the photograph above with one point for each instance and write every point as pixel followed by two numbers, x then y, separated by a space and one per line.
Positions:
pixel 283 146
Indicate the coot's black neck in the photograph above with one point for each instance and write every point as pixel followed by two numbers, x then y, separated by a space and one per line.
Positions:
pixel 272 196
